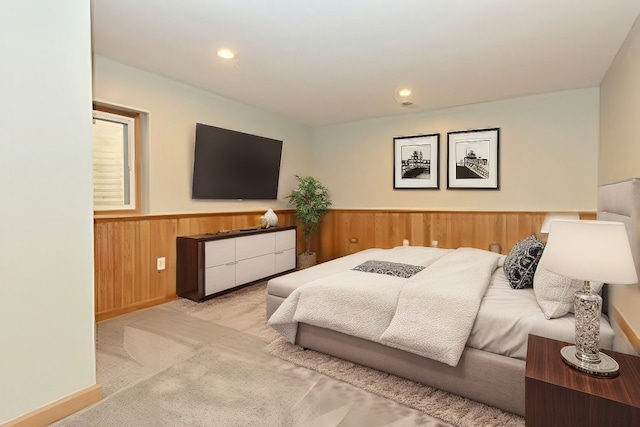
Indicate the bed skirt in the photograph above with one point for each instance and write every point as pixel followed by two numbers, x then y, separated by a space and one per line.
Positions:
pixel 485 377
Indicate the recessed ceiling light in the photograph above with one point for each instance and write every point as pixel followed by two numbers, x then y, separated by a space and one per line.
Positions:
pixel 403 96
pixel 227 53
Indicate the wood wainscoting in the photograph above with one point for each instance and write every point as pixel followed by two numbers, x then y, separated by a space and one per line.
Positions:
pixel 127 248
pixel 344 232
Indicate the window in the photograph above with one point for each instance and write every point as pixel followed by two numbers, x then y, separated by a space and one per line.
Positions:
pixel 115 160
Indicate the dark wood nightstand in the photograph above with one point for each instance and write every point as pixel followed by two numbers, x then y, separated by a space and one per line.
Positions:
pixel 558 395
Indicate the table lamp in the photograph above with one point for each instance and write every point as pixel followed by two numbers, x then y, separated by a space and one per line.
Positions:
pixel 589 251
pixel 557 216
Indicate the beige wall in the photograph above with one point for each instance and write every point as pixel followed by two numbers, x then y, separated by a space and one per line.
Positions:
pixel 543 138
pixel 173 110
pixel 619 111
pixel 619 160
pixel 548 156
pixel 47 347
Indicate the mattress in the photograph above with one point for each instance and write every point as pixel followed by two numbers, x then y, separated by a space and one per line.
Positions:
pixel 505 318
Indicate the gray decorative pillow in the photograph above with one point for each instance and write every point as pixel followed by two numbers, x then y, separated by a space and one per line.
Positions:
pixel 555 293
pixel 522 261
pixel 389 268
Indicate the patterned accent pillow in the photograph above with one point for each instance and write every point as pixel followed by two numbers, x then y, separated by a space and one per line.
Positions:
pixel 522 261
pixel 389 268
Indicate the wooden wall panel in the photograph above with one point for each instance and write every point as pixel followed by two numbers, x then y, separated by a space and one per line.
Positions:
pixel 344 232
pixel 114 245
pixel 211 223
pixel 126 248
pixel 214 223
pixel 157 239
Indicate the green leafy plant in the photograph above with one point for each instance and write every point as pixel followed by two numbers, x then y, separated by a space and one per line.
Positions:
pixel 311 200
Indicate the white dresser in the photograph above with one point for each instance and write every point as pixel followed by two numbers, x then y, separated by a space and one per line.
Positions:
pixel 210 264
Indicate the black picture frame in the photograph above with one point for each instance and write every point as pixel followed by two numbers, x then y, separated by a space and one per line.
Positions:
pixel 473 159
pixel 416 162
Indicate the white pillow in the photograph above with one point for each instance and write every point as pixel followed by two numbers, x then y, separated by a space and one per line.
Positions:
pixel 555 293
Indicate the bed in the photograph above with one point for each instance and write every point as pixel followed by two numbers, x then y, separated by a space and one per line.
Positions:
pixel 489 366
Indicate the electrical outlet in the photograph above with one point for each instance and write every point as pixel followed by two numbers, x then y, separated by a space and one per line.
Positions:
pixel 160 264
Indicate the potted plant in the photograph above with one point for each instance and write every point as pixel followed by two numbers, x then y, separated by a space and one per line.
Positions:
pixel 311 200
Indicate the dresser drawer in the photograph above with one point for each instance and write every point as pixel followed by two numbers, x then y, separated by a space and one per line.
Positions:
pixel 253 246
pixel 255 268
pixel 285 240
pixel 219 278
pixel 218 252
pixel 285 260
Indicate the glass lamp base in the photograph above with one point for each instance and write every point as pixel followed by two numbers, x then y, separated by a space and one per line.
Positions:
pixel 607 368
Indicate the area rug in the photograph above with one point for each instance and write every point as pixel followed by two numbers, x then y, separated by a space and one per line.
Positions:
pixel 251 301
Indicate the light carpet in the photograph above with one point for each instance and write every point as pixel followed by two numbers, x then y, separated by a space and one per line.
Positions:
pixel 218 363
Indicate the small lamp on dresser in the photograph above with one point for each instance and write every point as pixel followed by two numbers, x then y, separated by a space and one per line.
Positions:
pixel 596 251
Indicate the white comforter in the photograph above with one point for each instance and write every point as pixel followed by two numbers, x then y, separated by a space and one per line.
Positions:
pixel 430 314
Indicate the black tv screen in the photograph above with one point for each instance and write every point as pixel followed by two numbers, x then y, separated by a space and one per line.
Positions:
pixel 233 165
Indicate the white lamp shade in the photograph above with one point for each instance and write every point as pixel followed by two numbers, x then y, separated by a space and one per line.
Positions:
pixel 557 216
pixel 590 250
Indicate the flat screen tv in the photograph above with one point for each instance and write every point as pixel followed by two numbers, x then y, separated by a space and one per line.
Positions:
pixel 233 165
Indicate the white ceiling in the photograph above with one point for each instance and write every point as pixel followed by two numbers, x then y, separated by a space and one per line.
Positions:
pixel 328 61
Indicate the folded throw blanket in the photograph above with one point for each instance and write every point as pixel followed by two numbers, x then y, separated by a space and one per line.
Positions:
pixel 436 311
